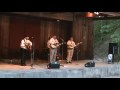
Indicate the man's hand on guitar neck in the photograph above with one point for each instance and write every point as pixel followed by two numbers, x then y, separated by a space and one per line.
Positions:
pixel 79 43
pixel 58 44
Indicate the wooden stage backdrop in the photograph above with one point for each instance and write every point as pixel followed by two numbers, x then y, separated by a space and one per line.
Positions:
pixel 13 28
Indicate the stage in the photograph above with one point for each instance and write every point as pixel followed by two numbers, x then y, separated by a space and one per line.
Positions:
pixel 42 64
pixel 76 69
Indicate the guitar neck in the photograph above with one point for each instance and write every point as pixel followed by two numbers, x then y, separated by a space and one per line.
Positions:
pixel 78 44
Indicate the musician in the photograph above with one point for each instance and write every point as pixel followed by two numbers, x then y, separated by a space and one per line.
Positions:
pixel 25 45
pixel 70 49
pixel 54 44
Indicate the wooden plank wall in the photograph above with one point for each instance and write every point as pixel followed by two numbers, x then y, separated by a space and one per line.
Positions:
pixel 14 28
pixel 4 36
pixel 83 31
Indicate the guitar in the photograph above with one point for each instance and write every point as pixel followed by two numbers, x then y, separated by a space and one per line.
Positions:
pixel 57 45
pixel 28 46
pixel 71 46
pixel 78 44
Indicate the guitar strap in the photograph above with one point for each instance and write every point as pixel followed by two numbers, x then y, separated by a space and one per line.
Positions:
pixel 25 42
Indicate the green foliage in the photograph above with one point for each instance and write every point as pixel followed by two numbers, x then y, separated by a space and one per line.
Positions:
pixel 116 36
pixel 106 31
pixel 105 27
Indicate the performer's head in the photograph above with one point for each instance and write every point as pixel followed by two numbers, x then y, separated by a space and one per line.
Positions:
pixel 71 38
pixel 27 38
pixel 55 37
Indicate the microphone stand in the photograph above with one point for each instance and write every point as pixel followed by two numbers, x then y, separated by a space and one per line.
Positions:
pixel 77 52
pixel 62 48
pixel 32 54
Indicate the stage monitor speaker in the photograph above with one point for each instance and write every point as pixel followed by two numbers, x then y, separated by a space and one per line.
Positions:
pixel 90 64
pixel 54 65
pixel 113 48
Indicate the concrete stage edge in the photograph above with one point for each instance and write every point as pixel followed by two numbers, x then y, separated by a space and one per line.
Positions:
pixel 74 70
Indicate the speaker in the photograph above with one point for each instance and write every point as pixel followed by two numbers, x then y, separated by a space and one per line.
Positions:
pixel 113 48
pixel 54 65
pixel 90 64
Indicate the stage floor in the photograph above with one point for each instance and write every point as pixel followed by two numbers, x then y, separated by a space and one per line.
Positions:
pixel 42 64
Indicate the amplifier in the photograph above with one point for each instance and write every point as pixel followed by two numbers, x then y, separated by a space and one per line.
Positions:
pixel 90 64
pixel 54 65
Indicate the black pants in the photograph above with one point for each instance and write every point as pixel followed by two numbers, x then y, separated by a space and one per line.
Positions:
pixel 23 56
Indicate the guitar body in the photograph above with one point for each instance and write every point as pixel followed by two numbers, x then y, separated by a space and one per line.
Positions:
pixel 29 47
pixel 71 46
pixel 54 45
pixel 57 45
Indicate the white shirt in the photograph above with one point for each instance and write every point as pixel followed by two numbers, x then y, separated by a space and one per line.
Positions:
pixel 70 44
pixel 53 42
pixel 25 42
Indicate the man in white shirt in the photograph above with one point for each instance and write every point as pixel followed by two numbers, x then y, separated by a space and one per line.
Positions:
pixel 70 49
pixel 25 45
pixel 53 48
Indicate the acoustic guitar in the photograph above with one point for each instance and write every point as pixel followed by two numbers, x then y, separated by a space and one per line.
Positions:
pixel 71 46
pixel 57 45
